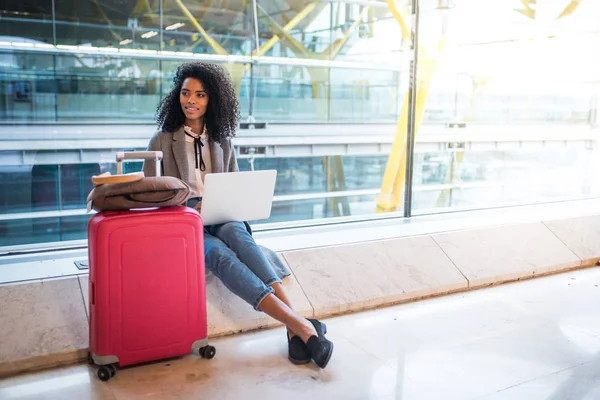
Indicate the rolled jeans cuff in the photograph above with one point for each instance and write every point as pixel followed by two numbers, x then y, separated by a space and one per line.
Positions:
pixel 262 296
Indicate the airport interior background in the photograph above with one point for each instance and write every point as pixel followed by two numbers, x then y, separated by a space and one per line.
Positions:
pixel 423 148
pixel 491 103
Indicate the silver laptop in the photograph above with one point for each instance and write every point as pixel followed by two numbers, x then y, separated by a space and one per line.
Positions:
pixel 237 196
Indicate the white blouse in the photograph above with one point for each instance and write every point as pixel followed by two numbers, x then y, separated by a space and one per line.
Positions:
pixel 196 175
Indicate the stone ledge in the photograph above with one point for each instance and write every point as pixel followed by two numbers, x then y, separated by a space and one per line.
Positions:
pixel 41 322
pixel 506 253
pixel 581 235
pixel 355 277
pixel 44 323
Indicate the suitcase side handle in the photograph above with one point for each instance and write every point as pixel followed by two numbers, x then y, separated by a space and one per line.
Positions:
pixel 155 156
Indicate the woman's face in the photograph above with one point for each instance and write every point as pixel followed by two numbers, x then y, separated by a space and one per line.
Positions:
pixel 193 99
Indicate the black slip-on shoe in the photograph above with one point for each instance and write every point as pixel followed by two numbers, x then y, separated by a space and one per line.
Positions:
pixel 320 348
pixel 320 327
pixel 298 353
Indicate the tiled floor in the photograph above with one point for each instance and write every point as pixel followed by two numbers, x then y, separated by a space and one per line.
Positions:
pixel 531 340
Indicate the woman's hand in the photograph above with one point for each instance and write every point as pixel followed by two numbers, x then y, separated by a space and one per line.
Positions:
pixel 195 203
pixel 198 206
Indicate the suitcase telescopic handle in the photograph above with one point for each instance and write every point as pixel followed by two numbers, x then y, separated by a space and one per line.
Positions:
pixel 155 156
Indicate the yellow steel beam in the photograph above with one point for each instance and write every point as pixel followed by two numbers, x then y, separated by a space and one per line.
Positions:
pixel 335 182
pixel 317 75
pixel 479 83
pixel 341 203
pixel 112 32
pixel 286 29
pixel 141 7
pixel 570 8
pixel 395 173
pixel 371 20
pixel 401 17
pixel 238 71
pixel 211 42
pixel 320 6
pixel 205 9
pixel 329 186
pixel 295 45
pixel 333 50
pixel 529 8
pixel 452 175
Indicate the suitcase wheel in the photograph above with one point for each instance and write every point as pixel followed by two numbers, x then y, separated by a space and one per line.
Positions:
pixel 106 372
pixel 208 352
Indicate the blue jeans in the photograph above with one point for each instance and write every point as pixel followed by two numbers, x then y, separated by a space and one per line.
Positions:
pixel 232 255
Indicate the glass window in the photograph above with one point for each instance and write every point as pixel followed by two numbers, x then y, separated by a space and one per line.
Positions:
pixel 46 187
pixel 118 93
pixel 210 27
pixel 333 30
pixel 293 29
pixel 26 21
pixel 366 34
pixel 321 187
pixel 507 99
pixel 517 94
pixel 31 191
pixel 100 88
pixel 27 87
pixel 301 175
pixel 311 209
pixel 287 93
pixel 129 24
pixel 364 95
pixel 42 230
pixel 92 88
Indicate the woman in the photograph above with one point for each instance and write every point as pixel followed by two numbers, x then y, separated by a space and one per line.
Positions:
pixel 196 120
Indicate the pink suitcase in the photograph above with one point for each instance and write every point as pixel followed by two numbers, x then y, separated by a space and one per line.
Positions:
pixel 147 293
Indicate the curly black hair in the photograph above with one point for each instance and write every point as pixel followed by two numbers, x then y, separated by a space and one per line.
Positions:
pixel 222 113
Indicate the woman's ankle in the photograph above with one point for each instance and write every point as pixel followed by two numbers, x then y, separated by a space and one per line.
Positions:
pixel 308 331
pixel 290 333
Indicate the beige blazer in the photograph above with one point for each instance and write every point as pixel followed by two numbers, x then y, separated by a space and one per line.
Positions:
pixel 175 160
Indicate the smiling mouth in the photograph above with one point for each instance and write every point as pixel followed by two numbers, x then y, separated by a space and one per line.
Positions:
pixel 192 109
